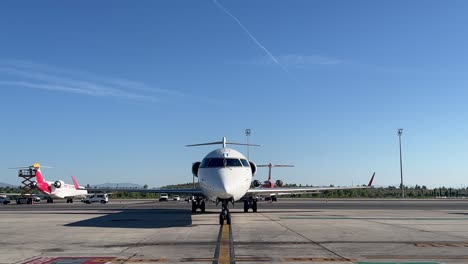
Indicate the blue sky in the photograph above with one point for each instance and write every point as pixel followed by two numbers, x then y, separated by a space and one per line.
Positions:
pixel 112 91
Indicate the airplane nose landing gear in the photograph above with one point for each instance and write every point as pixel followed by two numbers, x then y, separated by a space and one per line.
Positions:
pixel 225 214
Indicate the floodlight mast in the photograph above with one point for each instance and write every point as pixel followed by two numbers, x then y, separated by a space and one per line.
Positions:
pixel 400 132
pixel 248 132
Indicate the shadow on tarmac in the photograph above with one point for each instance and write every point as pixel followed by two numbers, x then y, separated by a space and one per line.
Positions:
pixel 140 218
pixel 459 213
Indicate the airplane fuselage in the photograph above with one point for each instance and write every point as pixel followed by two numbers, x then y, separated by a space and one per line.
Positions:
pixel 224 174
pixel 65 191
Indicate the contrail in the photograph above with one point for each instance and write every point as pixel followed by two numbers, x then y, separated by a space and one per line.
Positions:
pixel 258 43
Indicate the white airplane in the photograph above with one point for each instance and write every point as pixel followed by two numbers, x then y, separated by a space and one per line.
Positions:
pixel 225 176
pixel 54 190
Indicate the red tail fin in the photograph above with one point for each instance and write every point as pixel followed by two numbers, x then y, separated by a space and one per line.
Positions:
pixel 371 180
pixel 42 185
pixel 75 182
pixel 39 177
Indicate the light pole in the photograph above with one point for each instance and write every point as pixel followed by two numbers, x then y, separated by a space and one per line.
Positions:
pixel 247 134
pixel 400 131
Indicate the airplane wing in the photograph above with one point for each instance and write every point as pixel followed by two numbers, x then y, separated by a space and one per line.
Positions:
pixel 297 190
pixel 10 194
pixel 192 191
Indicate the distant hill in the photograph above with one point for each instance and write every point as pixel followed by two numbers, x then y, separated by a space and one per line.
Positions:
pixel 117 185
pixel 6 185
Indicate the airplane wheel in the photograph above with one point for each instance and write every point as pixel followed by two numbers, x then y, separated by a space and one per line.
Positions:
pixel 228 218
pixel 254 206
pixel 202 206
pixel 221 219
pixel 71 200
pixel 246 206
pixel 274 199
pixel 194 207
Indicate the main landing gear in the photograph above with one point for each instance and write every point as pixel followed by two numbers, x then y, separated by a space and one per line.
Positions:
pixel 250 203
pixel 198 203
pixel 69 200
pixel 225 214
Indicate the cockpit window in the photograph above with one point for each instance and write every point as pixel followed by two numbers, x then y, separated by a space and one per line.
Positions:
pixel 204 163
pixel 245 163
pixel 219 162
pixel 215 163
pixel 233 163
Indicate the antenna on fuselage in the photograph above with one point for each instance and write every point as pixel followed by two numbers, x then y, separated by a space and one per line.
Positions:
pixel 224 142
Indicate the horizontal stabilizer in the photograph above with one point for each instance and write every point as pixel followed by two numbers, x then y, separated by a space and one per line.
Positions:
pixel 224 143
pixel 274 165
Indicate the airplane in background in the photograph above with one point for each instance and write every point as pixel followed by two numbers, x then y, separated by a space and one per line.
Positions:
pixel 55 190
pixel 269 183
pixel 225 176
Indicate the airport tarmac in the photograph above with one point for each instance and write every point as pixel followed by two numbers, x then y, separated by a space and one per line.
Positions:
pixel 288 231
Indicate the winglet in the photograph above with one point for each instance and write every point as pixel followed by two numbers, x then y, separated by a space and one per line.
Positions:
pixel 75 183
pixel 371 180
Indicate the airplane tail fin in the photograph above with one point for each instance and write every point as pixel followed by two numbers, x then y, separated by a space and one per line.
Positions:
pixel 39 177
pixel 371 180
pixel 77 186
pixel 269 165
pixel 223 142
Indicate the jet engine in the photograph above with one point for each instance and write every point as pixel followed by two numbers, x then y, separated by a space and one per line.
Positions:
pixel 58 184
pixel 195 167
pixel 279 183
pixel 253 167
pixel 256 183
pixel 33 185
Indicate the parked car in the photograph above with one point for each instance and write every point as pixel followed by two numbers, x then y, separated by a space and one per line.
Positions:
pixel 163 197
pixel 176 197
pixel 4 200
pixel 97 198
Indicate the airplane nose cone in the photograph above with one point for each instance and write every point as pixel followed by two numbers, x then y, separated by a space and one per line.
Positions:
pixel 227 185
pixel 227 189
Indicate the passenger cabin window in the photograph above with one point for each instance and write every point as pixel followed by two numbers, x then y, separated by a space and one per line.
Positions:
pixel 245 163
